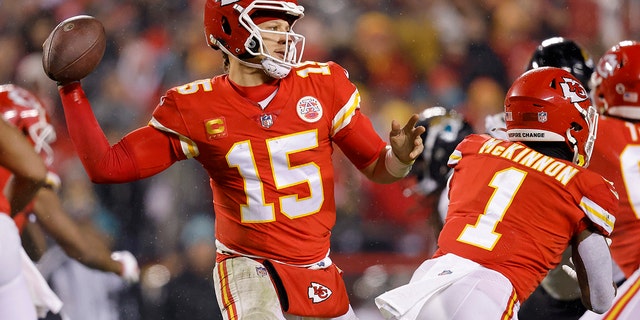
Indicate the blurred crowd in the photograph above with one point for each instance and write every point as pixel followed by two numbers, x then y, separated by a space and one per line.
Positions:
pixel 404 55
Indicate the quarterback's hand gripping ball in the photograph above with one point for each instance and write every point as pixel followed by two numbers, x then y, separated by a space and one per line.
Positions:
pixel 73 49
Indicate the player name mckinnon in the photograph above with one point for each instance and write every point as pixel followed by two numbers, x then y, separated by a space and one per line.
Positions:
pixel 520 154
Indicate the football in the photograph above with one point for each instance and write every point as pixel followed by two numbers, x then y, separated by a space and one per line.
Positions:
pixel 74 48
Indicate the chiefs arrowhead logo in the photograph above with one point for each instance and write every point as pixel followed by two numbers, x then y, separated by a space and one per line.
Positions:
pixel 573 90
pixel 318 292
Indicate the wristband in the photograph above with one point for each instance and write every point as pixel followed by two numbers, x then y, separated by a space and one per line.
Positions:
pixel 394 166
pixel 52 181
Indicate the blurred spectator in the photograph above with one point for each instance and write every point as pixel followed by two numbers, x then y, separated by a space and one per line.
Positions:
pixel 377 44
pixel 484 97
pixel 190 295
pixel 87 293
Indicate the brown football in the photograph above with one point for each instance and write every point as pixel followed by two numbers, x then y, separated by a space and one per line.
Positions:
pixel 74 48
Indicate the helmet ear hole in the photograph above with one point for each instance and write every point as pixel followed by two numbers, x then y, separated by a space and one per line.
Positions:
pixel 226 27
pixel 576 126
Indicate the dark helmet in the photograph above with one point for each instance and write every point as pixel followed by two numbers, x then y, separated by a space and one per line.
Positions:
pixel 445 130
pixel 566 54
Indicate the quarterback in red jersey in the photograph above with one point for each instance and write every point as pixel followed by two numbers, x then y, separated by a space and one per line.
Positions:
pixel 265 133
pixel 616 93
pixel 515 206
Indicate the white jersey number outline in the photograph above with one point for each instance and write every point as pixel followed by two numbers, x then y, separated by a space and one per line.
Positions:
pixel 483 235
pixel 630 167
pixel 256 209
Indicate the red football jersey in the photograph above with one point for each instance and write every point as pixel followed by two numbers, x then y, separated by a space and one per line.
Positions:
pixel 271 169
pixel 616 156
pixel 515 210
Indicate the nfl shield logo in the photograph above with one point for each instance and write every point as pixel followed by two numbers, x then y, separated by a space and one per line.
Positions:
pixel 542 117
pixel 266 120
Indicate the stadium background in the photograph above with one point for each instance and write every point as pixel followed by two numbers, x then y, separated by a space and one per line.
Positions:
pixel 404 55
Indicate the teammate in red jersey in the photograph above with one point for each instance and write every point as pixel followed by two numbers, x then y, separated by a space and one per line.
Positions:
pixel 265 133
pixel 514 208
pixel 17 156
pixel 616 93
pixel 558 296
pixel 24 110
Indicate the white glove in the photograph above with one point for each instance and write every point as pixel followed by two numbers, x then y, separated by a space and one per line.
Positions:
pixel 130 269
pixel 495 126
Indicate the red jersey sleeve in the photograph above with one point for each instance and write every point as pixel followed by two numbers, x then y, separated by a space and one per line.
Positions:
pixel 140 154
pixel 353 131
pixel 168 117
pixel 599 202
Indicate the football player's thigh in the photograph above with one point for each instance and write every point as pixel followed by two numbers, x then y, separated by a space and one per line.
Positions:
pixel 244 290
pixel 11 265
pixel 15 300
pixel 479 295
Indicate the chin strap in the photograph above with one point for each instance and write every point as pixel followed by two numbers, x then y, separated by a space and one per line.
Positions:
pixel 274 69
pixel 271 67
pixel 577 157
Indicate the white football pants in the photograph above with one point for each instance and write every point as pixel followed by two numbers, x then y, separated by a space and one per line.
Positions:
pixel 15 300
pixel 249 294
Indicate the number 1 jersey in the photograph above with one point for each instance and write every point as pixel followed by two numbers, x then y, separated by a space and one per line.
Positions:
pixel 515 210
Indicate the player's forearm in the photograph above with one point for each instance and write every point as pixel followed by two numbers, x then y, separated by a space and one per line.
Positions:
pixel 102 261
pixel 599 291
pixel 19 157
pixel 22 191
pixel 387 169
pixel 98 257
pixel 76 242
pixel 103 163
